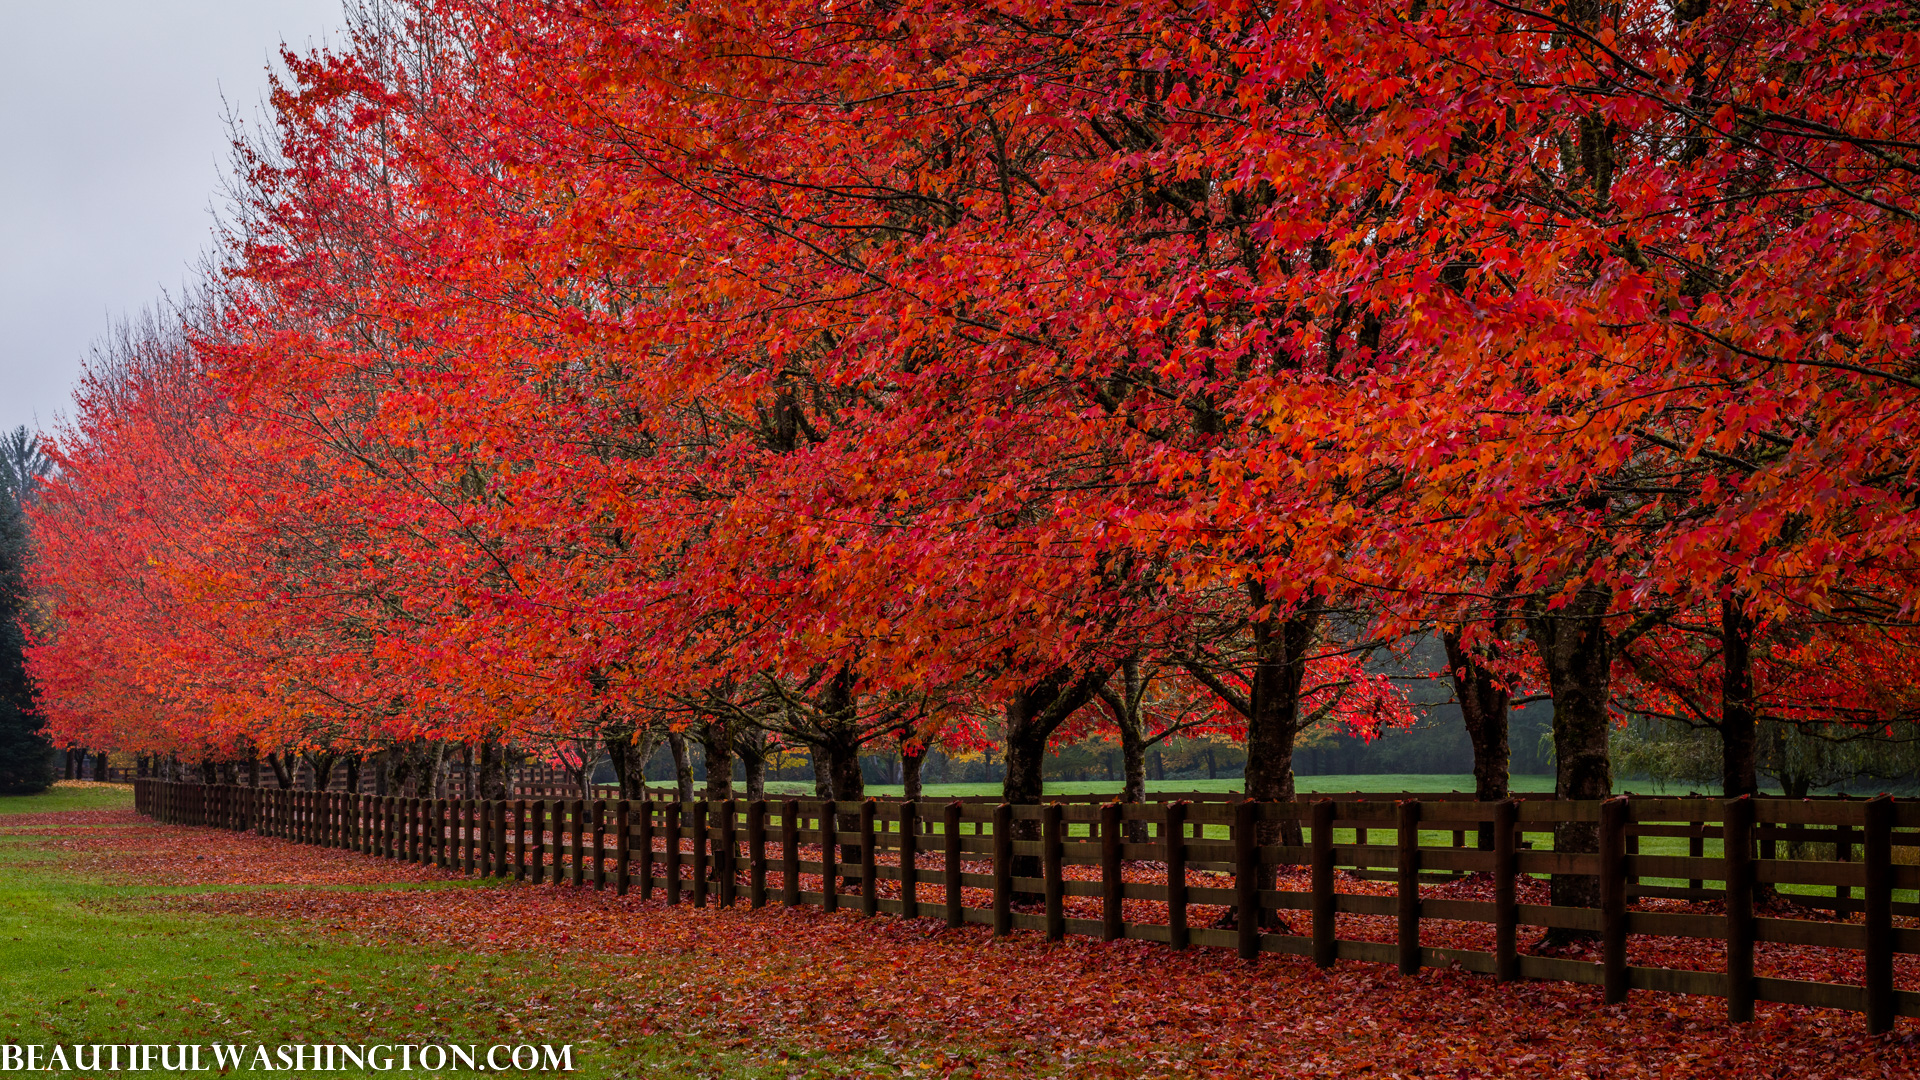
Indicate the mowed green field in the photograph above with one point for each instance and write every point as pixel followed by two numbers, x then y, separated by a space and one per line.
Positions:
pixel 66 797
pixel 86 959
pixel 1363 782
pixel 1368 783
pixel 1375 782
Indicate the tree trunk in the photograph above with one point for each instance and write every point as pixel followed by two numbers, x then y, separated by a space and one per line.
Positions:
pixel 751 745
pixel 822 776
pixel 1484 703
pixel 1578 654
pixel 1034 713
pixel 282 771
pixel 321 766
pixel 353 774
pixel 1739 770
pixel 912 760
pixel 717 740
pixel 1280 648
pixel 629 754
pixel 494 781
pixel 848 789
pixel 1125 702
pixel 682 769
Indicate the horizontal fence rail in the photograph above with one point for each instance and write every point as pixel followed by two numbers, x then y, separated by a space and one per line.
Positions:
pixel 1329 878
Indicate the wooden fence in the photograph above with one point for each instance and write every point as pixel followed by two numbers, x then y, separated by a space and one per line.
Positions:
pixel 1159 871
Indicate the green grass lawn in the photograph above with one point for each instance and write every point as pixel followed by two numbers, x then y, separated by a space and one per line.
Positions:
pixel 66 797
pixel 1520 784
pixel 1435 782
pixel 85 961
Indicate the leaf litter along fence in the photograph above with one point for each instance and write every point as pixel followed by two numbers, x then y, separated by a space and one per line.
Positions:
pixel 1049 867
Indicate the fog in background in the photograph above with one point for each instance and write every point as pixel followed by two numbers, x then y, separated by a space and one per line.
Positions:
pixel 113 139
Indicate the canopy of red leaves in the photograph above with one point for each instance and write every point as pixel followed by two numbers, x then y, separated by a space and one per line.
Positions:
pixel 566 359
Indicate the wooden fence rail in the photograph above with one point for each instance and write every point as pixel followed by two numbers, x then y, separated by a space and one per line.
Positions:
pixel 1224 874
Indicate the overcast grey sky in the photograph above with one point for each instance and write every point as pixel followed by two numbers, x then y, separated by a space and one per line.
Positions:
pixel 112 143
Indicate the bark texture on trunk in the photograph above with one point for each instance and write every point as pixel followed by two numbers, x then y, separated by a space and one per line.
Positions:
pixel 1034 713
pixel 1578 654
pixel 629 754
pixel 320 767
pixel 1271 704
pixel 1280 648
pixel 751 745
pixel 494 782
pixel 716 740
pixel 1124 700
pixel 682 768
pixel 822 776
pixel 282 771
pixel 1484 704
pixel 911 762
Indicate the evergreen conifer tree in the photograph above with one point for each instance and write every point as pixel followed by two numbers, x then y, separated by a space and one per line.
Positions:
pixel 26 757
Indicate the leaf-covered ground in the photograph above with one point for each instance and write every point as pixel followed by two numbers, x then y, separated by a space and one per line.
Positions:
pixel 803 994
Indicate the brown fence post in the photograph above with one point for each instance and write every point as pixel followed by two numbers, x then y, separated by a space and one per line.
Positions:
pixel 829 857
pixel 473 836
pixel 909 860
pixel 951 822
pixel 1696 849
pixel 672 815
pixel 869 886
pixel 442 842
pixel 1052 843
pixel 1112 892
pixel 1407 906
pixel 599 844
pixel 484 812
pixel 1002 870
pixel 1246 876
pixel 646 849
pixel 576 835
pixel 536 843
pixel 726 874
pixel 1174 837
pixel 1506 907
pixel 1738 834
pixel 1324 948
pixel 1613 900
pixel 702 841
pixel 1842 852
pixel 1877 832
pixel 622 845
pixel 509 851
pixel 757 853
pixel 790 853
